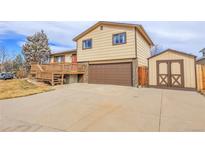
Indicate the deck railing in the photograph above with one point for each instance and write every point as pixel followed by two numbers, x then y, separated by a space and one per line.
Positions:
pixel 58 68
pixel 54 73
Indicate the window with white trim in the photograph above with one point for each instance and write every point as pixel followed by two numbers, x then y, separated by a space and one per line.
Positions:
pixel 119 38
pixel 87 44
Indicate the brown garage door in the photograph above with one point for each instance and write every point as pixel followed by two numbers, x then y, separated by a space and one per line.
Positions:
pixel 116 74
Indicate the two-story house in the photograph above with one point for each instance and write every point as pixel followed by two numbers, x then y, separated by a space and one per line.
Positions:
pixel 113 52
pixel 106 53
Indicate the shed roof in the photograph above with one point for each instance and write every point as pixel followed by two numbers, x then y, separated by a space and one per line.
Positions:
pixel 139 28
pixel 174 51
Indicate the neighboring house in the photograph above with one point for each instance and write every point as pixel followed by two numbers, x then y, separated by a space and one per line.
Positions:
pixel 203 52
pixel 64 57
pixel 113 52
pixel 172 69
pixel 201 60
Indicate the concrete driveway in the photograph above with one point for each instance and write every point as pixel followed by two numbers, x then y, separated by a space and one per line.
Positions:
pixel 86 107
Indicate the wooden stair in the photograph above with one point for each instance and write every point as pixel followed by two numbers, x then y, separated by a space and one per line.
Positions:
pixel 53 73
pixel 57 79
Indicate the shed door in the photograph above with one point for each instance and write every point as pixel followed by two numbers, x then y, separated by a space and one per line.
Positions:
pixel 170 73
pixel 163 73
pixel 116 74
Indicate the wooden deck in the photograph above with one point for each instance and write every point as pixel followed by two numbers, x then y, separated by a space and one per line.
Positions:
pixel 54 73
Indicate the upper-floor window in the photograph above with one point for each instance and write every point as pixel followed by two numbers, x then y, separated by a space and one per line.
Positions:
pixel 59 59
pixel 119 38
pixel 87 44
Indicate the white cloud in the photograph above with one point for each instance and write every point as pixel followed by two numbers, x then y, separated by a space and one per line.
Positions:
pixel 56 49
pixel 21 43
pixel 175 35
pixel 184 36
pixel 58 32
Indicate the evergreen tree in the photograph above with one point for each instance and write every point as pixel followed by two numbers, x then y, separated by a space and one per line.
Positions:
pixel 36 49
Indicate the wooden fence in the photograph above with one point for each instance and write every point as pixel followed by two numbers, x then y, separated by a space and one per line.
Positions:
pixel 143 76
pixel 200 74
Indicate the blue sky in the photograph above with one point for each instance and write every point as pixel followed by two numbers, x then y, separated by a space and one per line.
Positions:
pixel 183 36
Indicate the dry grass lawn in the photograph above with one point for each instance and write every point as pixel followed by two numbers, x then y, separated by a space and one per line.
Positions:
pixel 17 88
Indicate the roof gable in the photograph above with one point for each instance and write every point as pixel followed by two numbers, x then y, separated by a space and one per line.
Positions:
pixel 138 27
pixel 64 52
pixel 174 51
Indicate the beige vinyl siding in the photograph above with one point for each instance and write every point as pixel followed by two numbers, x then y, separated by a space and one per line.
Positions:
pixel 68 57
pixel 102 47
pixel 143 50
pixel 189 68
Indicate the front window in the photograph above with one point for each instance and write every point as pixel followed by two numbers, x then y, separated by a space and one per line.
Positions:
pixel 119 38
pixel 87 44
pixel 59 59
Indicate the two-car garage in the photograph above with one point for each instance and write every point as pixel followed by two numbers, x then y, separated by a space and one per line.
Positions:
pixel 111 73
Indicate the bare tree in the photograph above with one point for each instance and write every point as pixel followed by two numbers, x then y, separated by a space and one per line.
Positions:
pixel 3 56
pixel 18 62
pixel 8 65
pixel 36 49
pixel 156 49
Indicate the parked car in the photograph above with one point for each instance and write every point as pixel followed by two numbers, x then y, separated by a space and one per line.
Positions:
pixel 6 76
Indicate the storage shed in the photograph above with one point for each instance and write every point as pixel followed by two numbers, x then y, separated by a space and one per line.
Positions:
pixel 172 69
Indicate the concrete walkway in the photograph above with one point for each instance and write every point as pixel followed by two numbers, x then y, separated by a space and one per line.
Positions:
pixel 86 107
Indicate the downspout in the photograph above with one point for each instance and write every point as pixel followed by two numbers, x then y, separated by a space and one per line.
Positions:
pixel 136 59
